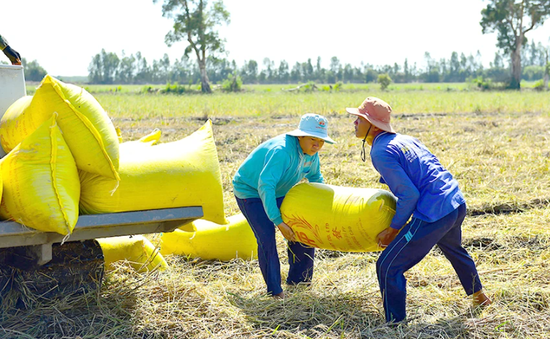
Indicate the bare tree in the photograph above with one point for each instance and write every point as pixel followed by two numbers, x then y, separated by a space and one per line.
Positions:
pixel 195 22
pixel 511 20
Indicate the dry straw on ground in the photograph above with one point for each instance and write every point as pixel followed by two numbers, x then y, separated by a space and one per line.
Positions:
pixel 501 161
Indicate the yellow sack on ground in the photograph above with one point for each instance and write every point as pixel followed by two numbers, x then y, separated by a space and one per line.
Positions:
pixel 153 138
pixel 86 127
pixel 41 184
pixel 211 241
pixel 150 139
pixel 139 251
pixel 176 174
pixel 338 218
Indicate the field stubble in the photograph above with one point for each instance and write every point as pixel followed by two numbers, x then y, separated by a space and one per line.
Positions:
pixel 501 160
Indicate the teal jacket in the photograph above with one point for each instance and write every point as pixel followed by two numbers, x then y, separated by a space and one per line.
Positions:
pixel 271 170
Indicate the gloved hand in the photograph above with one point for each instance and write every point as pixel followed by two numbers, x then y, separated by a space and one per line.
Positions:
pixel 12 54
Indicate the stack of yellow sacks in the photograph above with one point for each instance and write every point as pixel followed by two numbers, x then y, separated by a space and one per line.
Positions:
pixel 64 156
pixel 49 137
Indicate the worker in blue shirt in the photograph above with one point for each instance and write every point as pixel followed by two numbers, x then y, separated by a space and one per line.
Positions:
pixel 426 191
pixel 260 185
pixel 14 57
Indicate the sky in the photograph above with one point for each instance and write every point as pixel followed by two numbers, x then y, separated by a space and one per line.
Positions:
pixel 64 35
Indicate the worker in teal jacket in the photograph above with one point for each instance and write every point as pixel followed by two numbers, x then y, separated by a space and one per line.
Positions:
pixel 14 57
pixel 262 182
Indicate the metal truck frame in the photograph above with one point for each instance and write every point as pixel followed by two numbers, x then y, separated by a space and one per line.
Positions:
pixel 50 265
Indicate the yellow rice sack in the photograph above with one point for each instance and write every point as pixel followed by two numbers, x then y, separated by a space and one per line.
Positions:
pixel 150 139
pixel 338 218
pixel 1 180
pixel 40 181
pixel 176 174
pixel 118 134
pixel 7 140
pixel 136 249
pixel 153 138
pixel 211 241
pixel 86 127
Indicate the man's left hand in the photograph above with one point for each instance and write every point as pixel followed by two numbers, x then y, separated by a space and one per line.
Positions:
pixel 385 237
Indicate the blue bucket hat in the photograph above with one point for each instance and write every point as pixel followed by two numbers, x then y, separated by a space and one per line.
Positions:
pixel 313 125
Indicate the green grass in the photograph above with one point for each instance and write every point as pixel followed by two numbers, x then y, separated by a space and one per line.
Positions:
pixel 261 103
pixel 269 88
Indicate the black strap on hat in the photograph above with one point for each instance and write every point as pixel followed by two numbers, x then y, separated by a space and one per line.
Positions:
pixel 363 153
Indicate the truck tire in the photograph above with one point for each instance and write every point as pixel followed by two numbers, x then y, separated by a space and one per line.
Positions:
pixel 76 267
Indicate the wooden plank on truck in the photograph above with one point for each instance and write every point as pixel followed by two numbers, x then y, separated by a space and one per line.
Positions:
pixel 13 234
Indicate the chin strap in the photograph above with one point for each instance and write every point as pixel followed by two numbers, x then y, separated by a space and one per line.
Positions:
pixel 363 153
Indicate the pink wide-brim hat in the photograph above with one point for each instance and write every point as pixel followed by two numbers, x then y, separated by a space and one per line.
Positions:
pixel 376 111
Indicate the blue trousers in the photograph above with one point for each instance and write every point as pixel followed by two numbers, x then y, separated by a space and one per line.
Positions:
pixel 300 257
pixel 410 246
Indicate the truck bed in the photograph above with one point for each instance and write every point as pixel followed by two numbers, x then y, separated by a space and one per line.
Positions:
pixel 13 234
pixel 37 265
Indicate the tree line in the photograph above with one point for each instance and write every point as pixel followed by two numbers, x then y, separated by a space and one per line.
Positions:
pixel 109 68
pixel 196 23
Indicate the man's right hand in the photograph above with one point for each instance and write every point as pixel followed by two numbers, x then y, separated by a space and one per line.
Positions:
pixel 287 232
pixel 385 237
pixel 12 54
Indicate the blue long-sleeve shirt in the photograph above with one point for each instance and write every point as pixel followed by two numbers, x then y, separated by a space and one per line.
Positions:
pixel 423 187
pixel 271 170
